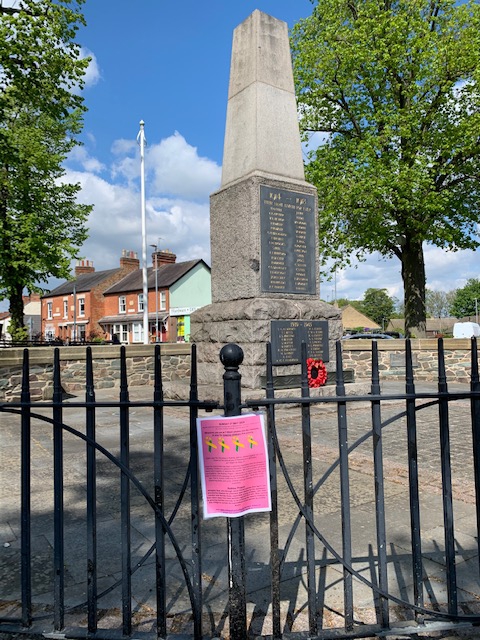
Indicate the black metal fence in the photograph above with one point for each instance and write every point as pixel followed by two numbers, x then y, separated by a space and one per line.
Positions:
pixel 55 342
pixel 111 490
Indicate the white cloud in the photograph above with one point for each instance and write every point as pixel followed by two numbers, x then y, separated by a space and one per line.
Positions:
pixel 374 273
pixel 448 270
pixel 182 226
pixel 124 147
pixel 92 74
pixel 178 169
pixel 80 156
pixel 127 163
pixel 172 168
pixel 177 222
pixel 445 271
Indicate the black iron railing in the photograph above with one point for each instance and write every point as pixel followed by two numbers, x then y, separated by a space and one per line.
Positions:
pixel 313 460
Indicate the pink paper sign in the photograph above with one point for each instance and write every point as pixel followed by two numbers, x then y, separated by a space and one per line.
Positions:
pixel 233 465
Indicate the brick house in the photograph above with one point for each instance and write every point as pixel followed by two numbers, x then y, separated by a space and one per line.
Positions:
pixel 31 318
pixel 182 288
pixel 71 311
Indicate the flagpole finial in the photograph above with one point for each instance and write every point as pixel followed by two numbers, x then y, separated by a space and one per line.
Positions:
pixel 141 134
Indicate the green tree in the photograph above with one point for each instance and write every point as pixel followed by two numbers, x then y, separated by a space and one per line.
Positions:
pixel 438 303
pixel 393 86
pixel 467 300
pixel 342 302
pixel 42 226
pixel 378 306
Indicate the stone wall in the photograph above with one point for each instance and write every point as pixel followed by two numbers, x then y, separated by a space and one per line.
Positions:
pixel 176 365
pixel 106 368
pixel 391 359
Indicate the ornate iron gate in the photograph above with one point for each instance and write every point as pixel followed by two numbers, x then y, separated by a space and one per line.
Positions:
pixel 110 488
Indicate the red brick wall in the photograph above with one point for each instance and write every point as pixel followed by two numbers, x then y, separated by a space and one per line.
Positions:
pixel 94 305
pixel 111 302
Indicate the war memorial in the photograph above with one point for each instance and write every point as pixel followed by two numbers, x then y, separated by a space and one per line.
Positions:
pixel 263 222
pixel 374 521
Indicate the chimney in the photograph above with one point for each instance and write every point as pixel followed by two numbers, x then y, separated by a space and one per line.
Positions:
pixel 84 266
pixel 129 261
pixel 163 257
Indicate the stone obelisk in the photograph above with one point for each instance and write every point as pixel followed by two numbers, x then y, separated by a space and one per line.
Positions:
pixel 263 220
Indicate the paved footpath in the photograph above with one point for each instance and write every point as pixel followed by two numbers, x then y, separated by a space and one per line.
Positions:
pixel 327 514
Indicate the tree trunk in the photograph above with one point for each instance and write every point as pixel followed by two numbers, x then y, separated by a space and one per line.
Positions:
pixel 16 308
pixel 10 279
pixel 413 275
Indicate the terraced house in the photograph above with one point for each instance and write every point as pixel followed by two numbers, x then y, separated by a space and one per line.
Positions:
pixel 72 310
pixel 182 288
pixel 104 304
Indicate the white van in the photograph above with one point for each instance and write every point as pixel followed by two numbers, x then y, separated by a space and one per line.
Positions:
pixel 466 329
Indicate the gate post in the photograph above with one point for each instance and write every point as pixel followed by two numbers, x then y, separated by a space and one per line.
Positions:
pixel 231 356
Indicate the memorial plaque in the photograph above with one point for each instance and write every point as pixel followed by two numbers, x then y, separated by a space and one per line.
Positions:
pixel 287 337
pixel 397 360
pixel 287 224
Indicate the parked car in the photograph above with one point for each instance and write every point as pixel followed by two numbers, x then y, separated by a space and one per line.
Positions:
pixel 368 336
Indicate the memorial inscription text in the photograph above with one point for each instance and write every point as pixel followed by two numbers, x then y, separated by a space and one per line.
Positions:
pixel 287 222
pixel 287 337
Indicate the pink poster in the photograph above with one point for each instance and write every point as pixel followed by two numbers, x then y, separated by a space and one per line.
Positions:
pixel 233 465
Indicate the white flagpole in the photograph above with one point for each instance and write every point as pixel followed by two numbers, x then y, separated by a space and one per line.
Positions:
pixel 141 141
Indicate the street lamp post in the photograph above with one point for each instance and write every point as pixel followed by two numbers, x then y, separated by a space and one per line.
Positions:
pixel 156 292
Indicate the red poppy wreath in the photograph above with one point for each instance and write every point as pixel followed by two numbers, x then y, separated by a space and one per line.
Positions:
pixel 316 373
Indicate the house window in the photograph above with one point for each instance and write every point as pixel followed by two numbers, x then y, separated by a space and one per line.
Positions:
pixel 122 304
pixel 122 332
pixel 65 308
pixel 138 332
pixel 163 300
pixel 140 303
pixel 81 306
pixel 49 310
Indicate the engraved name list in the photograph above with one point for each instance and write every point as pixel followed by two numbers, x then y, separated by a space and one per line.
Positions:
pixel 287 241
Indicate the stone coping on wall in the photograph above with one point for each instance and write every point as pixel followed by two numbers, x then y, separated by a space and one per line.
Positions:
pixel 40 355
pixel 422 344
pixel 391 358
pixel 14 356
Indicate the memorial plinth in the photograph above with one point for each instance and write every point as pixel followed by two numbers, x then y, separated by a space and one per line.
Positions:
pixel 266 247
pixel 249 324
pixel 263 220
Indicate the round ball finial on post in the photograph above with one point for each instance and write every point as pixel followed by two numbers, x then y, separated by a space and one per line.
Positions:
pixel 231 356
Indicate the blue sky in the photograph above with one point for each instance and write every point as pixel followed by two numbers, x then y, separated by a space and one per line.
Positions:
pixel 168 64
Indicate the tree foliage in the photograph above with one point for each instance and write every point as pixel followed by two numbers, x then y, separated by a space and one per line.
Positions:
pixel 41 75
pixel 467 300
pixel 438 303
pixel 393 86
pixel 342 302
pixel 378 306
